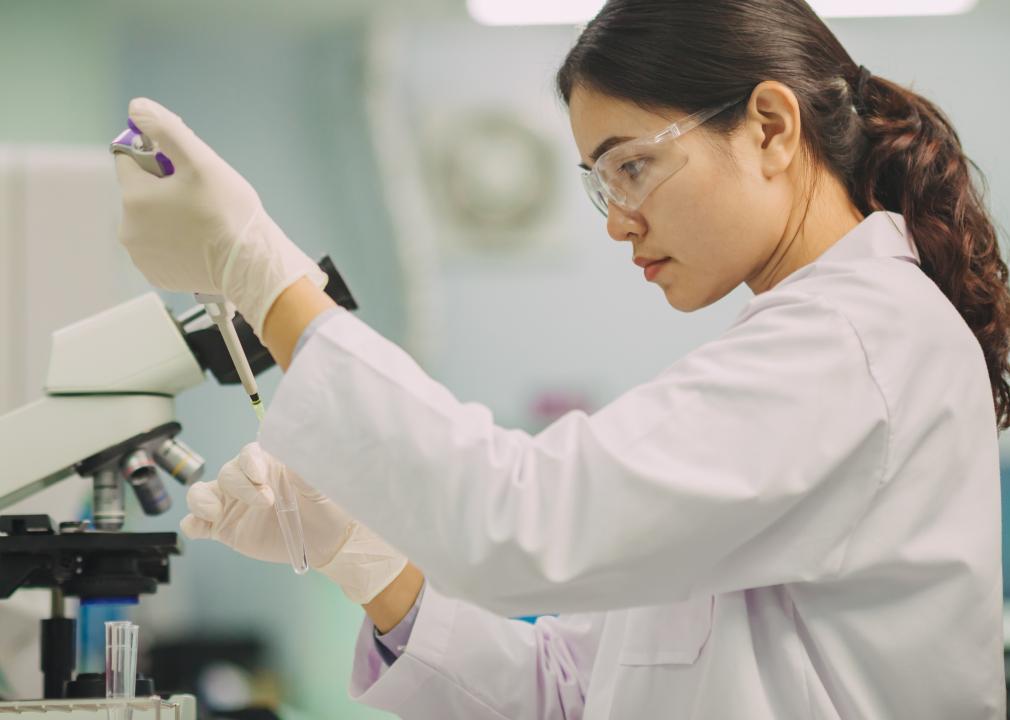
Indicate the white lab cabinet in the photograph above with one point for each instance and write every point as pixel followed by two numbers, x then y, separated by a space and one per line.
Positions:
pixel 60 260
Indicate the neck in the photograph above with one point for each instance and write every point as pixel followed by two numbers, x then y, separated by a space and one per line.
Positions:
pixel 814 225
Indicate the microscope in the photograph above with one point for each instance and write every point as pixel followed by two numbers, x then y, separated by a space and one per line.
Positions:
pixel 108 415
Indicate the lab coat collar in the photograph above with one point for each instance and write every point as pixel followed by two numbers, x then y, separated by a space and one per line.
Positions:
pixel 880 234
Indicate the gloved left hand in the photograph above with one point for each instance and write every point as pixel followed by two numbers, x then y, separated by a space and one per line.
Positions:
pixel 237 509
pixel 203 229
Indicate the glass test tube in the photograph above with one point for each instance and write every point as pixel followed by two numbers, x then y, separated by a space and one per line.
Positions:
pixel 286 505
pixel 120 667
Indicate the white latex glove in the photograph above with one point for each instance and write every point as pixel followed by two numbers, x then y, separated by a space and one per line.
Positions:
pixel 203 229
pixel 237 510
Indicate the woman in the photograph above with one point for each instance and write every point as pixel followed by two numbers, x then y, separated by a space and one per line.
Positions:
pixel 798 520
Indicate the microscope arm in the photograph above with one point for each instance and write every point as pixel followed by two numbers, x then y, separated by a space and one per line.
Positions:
pixel 45 441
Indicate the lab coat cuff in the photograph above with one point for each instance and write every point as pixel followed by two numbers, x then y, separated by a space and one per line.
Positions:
pixel 280 426
pixel 392 644
pixel 317 322
pixel 391 687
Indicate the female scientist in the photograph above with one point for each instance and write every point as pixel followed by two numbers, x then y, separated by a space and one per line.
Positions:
pixel 798 520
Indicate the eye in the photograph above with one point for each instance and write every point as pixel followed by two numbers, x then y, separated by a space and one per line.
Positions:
pixel 633 168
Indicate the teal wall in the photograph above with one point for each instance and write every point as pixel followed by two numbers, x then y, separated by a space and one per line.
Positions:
pixel 59 73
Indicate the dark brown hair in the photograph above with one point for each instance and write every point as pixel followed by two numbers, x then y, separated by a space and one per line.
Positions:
pixel 893 149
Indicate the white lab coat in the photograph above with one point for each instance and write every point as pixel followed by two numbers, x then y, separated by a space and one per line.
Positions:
pixel 798 520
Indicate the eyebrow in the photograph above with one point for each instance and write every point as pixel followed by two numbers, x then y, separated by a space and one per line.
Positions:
pixel 602 148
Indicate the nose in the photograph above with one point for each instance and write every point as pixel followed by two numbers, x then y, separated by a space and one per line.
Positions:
pixel 623 224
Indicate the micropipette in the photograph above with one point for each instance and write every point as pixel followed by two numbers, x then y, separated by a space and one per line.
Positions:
pixel 285 502
pixel 222 312
pixel 143 150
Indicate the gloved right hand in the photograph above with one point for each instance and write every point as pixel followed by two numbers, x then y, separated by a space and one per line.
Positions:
pixel 203 229
pixel 237 510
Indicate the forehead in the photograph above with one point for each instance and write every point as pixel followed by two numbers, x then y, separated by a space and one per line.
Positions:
pixel 596 117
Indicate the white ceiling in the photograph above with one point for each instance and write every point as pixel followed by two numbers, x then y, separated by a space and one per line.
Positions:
pixel 288 13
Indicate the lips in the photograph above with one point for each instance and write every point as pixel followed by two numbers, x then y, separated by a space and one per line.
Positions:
pixel 654 268
pixel 644 262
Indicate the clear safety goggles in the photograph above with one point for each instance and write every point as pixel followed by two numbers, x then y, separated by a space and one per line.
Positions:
pixel 628 173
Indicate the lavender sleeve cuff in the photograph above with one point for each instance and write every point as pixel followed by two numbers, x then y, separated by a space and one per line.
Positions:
pixel 392 644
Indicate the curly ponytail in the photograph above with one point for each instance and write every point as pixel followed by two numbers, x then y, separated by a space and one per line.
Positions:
pixel 893 149
pixel 915 165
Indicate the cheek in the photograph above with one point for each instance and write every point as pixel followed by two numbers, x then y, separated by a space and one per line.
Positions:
pixel 713 219
pixel 703 222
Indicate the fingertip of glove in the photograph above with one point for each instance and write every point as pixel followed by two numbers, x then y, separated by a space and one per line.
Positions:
pixel 139 103
pixel 194 528
pixel 253 462
pixel 164 127
pixel 244 484
pixel 144 113
pixel 203 501
pixel 142 104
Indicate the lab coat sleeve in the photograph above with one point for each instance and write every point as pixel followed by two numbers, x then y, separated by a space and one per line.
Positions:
pixel 464 663
pixel 747 463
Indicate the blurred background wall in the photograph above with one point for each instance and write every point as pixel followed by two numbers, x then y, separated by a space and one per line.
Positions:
pixel 429 156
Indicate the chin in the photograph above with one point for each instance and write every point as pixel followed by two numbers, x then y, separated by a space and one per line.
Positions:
pixel 687 302
pixel 683 303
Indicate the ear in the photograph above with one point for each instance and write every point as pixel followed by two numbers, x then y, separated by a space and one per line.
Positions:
pixel 773 126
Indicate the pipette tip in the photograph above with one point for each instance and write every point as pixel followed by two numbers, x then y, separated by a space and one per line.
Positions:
pixel 258 406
